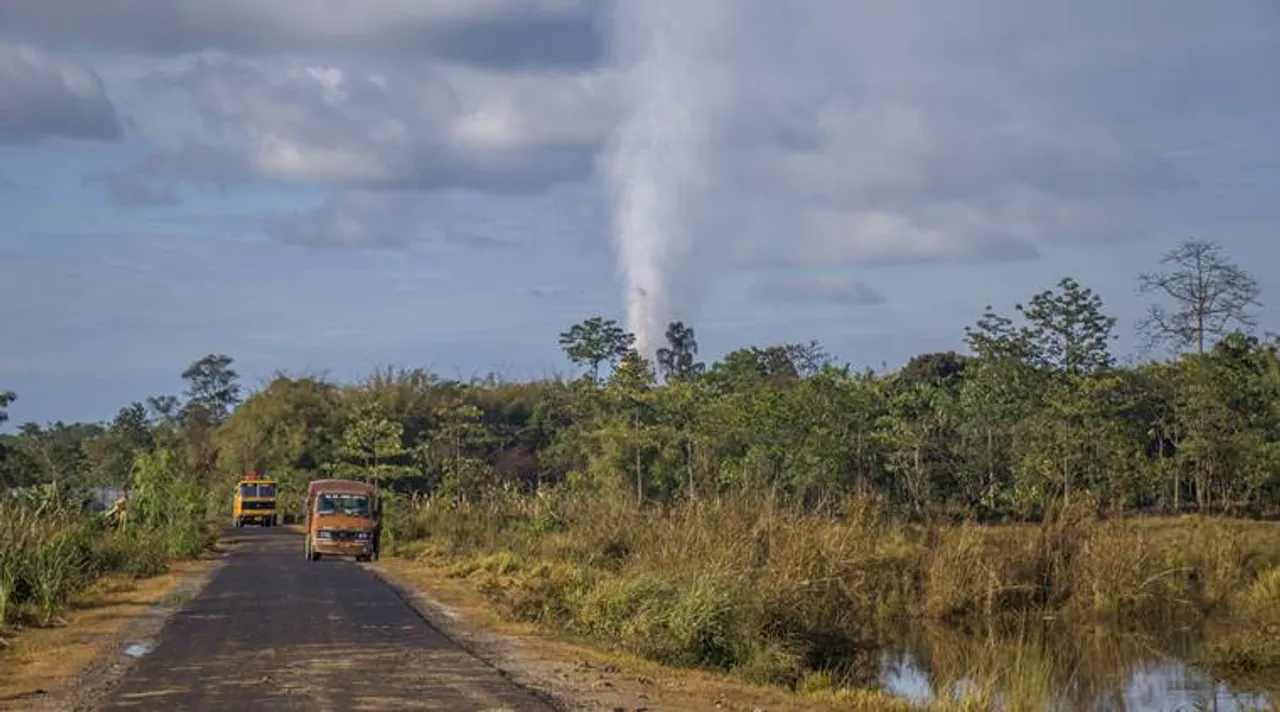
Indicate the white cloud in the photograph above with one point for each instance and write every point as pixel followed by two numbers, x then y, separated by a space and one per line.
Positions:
pixel 913 130
pixel 438 126
pixel 856 131
pixel 44 95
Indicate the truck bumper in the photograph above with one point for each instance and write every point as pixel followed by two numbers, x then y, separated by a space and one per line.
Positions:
pixel 343 548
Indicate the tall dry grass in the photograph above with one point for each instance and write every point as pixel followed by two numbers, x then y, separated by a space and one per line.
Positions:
pixel 775 596
pixel 1245 649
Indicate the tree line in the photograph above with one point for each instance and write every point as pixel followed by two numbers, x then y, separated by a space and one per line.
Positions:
pixel 1038 412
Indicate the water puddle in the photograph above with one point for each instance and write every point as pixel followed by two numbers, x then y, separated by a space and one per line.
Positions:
pixel 1149 686
pixel 138 650
pixel 1091 671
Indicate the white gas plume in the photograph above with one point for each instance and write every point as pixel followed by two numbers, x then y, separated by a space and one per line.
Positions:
pixel 674 58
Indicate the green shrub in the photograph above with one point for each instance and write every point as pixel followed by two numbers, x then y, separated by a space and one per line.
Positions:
pixel 51 549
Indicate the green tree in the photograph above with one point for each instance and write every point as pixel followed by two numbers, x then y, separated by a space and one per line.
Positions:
pixel 54 453
pixel 6 399
pixel 1227 421
pixel 113 453
pixel 8 474
pixel 944 369
pixel 994 337
pixel 677 360
pixel 917 429
pixel 596 341
pixel 624 440
pixel 372 448
pixel 287 429
pixel 166 408
pixel 457 446
pixel 1068 330
pixel 213 388
pixel 777 365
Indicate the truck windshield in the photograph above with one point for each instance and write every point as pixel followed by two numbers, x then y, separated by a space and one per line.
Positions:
pixel 353 505
pixel 258 490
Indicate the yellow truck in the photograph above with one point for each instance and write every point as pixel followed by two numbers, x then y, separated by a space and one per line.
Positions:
pixel 255 501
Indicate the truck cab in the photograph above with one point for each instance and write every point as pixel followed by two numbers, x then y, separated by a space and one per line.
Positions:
pixel 344 518
pixel 254 501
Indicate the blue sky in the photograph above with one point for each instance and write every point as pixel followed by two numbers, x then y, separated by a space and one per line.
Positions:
pixel 333 186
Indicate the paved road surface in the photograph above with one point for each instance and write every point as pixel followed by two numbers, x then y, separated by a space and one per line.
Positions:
pixel 272 631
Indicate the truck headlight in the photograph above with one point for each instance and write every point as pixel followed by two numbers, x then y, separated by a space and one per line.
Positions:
pixel 324 534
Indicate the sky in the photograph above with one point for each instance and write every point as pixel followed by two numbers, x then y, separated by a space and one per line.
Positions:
pixel 330 186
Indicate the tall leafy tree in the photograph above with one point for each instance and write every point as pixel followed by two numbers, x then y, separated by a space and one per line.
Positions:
pixel 995 337
pixel 944 368
pixel 1206 296
pixel 112 454
pixel 1068 330
pixel 753 367
pixel 457 446
pixel 625 443
pixel 6 399
pixel 213 387
pixel 372 447
pixel 133 425
pixel 287 429
pixel 677 360
pixel 594 342
pixel 54 453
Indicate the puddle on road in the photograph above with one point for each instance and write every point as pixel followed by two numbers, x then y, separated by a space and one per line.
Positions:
pixel 138 650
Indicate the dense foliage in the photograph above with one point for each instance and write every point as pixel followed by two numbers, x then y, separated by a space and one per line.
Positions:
pixel 1038 412
pixel 52 544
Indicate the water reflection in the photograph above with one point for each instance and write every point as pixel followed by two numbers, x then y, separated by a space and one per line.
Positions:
pixel 1055 668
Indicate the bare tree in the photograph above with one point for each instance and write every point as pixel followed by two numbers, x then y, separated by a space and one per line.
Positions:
pixel 1210 294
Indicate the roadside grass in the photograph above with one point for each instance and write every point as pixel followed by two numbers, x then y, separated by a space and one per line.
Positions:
pixel 51 550
pixel 773 597
pixel 69 578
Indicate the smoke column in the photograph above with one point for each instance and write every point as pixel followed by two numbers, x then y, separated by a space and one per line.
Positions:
pixel 657 166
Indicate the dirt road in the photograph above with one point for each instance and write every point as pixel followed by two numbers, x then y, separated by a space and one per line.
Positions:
pixel 272 631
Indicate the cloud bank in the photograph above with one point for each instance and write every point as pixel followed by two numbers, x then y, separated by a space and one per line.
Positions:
pixel 735 135
pixel 43 95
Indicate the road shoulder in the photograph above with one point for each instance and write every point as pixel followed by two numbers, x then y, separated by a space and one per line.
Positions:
pixel 74 665
pixel 572 676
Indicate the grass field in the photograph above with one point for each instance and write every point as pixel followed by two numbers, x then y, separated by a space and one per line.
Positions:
pixel 804 601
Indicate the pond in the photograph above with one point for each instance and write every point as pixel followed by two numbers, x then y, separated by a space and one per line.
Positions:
pixel 1053 667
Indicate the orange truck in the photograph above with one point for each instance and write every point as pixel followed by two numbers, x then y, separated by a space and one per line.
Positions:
pixel 344 518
